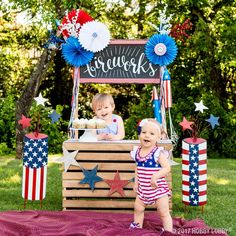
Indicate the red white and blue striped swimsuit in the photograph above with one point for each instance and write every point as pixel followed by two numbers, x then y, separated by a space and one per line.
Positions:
pixel 146 167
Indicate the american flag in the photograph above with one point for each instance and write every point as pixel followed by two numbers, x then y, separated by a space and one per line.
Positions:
pixel 167 89
pixel 194 171
pixel 35 158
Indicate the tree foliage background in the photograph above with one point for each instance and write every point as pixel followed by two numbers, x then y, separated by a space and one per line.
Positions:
pixel 203 70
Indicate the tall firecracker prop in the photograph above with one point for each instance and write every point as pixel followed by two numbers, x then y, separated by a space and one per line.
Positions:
pixel 194 171
pixel 35 159
pixel 35 154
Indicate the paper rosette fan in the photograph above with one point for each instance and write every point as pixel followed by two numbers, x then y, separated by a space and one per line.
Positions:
pixel 72 22
pixel 161 49
pixel 94 36
pixel 74 54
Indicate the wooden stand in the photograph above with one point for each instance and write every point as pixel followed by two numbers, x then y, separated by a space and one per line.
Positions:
pixel 110 157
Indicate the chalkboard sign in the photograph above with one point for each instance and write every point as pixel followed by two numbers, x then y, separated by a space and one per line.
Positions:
pixel 122 61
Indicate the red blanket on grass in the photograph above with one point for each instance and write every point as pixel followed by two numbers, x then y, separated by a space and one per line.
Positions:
pixel 78 223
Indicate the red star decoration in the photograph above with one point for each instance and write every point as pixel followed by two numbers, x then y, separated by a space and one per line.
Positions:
pixel 24 121
pixel 116 185
pixel 186 124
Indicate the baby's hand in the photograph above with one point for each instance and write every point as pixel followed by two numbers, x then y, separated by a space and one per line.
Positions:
pixel 110 137
pixel 154 181
pixel 102 136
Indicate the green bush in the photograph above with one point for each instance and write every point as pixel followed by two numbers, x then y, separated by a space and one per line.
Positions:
pixel 138 111
pixel 4 149
pixel 220 140
pixel 56 132
pixel 7 125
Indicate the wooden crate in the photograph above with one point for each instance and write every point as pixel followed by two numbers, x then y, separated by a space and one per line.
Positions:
pixel 110 158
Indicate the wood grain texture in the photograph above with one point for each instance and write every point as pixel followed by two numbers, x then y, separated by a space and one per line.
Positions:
pixel 110 158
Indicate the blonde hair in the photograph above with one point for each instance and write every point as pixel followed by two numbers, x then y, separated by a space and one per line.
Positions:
pixel 99 99
pixel 154 122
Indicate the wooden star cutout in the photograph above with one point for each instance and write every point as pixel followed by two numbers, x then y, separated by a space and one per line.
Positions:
pixel 186 124
pixel 69 159
pixel 40 100
pixel 200 107
pixel 116 185
pixel 90 177
pixel 213 120
pixel 54 116
pixel 24 121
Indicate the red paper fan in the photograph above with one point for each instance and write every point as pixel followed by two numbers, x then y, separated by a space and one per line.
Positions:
pixel 72 22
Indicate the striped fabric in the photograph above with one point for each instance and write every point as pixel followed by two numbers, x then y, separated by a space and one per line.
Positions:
pixel 194 172
pixel 35 158
pixel 146 167
pixel 167 89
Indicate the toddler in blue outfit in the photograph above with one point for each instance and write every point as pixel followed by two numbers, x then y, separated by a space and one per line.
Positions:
pixel 103 106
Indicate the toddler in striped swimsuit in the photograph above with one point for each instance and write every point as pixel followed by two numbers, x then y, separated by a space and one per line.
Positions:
pixel 152 167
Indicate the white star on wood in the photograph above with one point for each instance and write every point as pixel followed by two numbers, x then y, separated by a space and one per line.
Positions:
pixel 200 107
pixel 69 159
pixel 40 100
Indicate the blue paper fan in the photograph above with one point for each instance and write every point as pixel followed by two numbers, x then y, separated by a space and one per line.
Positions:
pixel 74 54
pixel 161 49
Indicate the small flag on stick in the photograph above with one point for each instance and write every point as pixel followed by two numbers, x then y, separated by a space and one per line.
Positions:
pixel 156 101
pixel 167 89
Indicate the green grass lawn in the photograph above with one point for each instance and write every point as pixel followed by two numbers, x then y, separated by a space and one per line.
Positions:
pixel 219 212
pixel 11 188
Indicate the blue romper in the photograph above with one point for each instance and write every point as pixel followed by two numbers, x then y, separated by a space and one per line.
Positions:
pixel 111 128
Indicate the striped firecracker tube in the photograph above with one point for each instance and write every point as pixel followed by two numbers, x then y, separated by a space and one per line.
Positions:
pixel 35 159
pixel 194 171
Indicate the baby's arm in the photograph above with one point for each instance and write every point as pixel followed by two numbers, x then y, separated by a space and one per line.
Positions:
pixel 121 131
pixel 102 136
pixel 165 168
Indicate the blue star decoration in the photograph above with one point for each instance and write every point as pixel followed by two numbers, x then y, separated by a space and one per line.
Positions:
pixel 54 116
pixel 53 41
pixel 90 177
pixel 213 120
pixel 156 105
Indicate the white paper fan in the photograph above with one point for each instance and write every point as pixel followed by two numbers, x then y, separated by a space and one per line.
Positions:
pixel 94 36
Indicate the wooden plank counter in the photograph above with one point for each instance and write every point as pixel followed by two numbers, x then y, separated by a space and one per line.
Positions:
pixel 110 157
